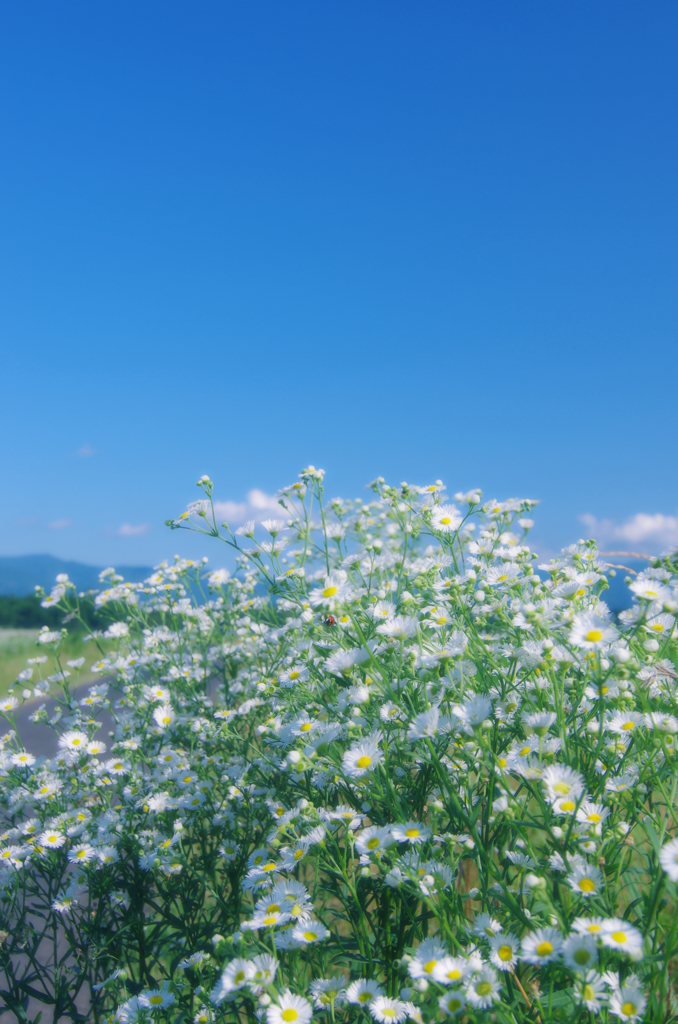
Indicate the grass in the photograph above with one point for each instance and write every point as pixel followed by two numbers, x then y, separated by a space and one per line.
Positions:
pixel 16 645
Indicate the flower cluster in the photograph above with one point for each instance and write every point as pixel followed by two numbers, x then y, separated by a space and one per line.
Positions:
pixel 389 766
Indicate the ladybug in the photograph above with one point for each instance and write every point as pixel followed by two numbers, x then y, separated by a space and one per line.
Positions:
pixel 330 621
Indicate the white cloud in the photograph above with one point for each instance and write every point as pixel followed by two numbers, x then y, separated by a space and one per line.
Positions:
pixel 127 530
pixel 258 504
pixel 60 524
pixel 648 532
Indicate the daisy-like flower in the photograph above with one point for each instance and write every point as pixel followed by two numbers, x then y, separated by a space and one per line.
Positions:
pixel 334 591
pixel 327 992
pixel 157 998
pixel 388 1011
pixel 425 724
pixel 585 880
pixel 8 704
pixel 22 760
pixel 580 952
pixel 362 992
pixel 625 722
pixel 592 632
pixel 628 1002
pixel 290 1009
pixel 116 766
pixel 361 759
pixel 592 814
pixel 483 988
pixel 445 518
pixel 308 931
pixel 81 854
pixel 650 590
pixel 264 967
pixel 51 840
pixel 428 955
pixel 505 951
pixel 452 1003
pixel 374 838
pixel 411 832
pixel 588 926
pixel 235 975
pixel 451 970
pixel 164 716
pixel 191 961
pixel 561 781
pixel 541 946
pixel 591 991
pixel 618 934
pixel 399 627
pixel 502 575
pixel 73 740
pixel 486 926
pixel 668 858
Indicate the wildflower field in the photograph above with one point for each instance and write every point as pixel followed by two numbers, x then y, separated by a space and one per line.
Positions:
pixel 384 770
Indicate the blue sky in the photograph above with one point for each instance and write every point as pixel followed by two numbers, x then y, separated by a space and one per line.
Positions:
pixel 417 240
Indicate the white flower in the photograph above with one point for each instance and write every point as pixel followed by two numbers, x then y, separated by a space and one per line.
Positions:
pixel 410 832
pixel 309 931
pixel 156 998
pixel 452 1003
pixel 561 781
pixel 399 627
pixel 668 858
pixel 23 759
pixel 51 840
pixel 388 1011
pixel 363 992
pixel 164 716
pixel 373 838
pixel 628 1002
pixel 505 951
pixel 585 880
pixel 116 630
pixel 591 991
pixel 483 989
pixel 579 952
pixel 8 704
pixel 361 759
pixel 81 854
pixel 235 975
pixel 73 740
pixel 592 632
pixel 290 1009
pixel 618 934
pixel 541 946
pixel 425 724
pixel 429 954
pixel 445 518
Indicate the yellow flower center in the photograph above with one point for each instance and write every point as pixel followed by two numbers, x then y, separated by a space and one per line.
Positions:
pixel 505 953
pixel 561 787
pixel 372 843
pixel 429 966
pixel 76 743
pixel 594 818
pixel 269 867
pixel 310 936
pixel 445 520
pixel 628 725
pixel 587 885
pixel 484 988
pixel 502 579
pixel 295 674
pixel 329 591
pixel 544 949
pixel 588 992
pixel 568 806
pixel 156 1000
pixel 582 957
pixel 453 1004
pixel 412 833
pixel 454 974
pixel 594 636
pixel 619 937
pixel 289 1015
pixel 629 1009
pixel 388 1011
pixel 524 751
pixel 270 919
pixel 364 762
pixel 306 727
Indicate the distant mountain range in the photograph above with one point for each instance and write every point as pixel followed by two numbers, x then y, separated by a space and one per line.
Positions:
pixel 20 574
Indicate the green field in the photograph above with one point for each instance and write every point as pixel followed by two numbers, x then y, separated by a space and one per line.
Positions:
pixel 17 645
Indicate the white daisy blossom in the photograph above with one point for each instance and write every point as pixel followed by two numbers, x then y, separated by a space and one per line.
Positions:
pixel 668 858
pixel 290 1009
pixel 592 632
pixel 363 758
pixel 445 518
pixel 388 1011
